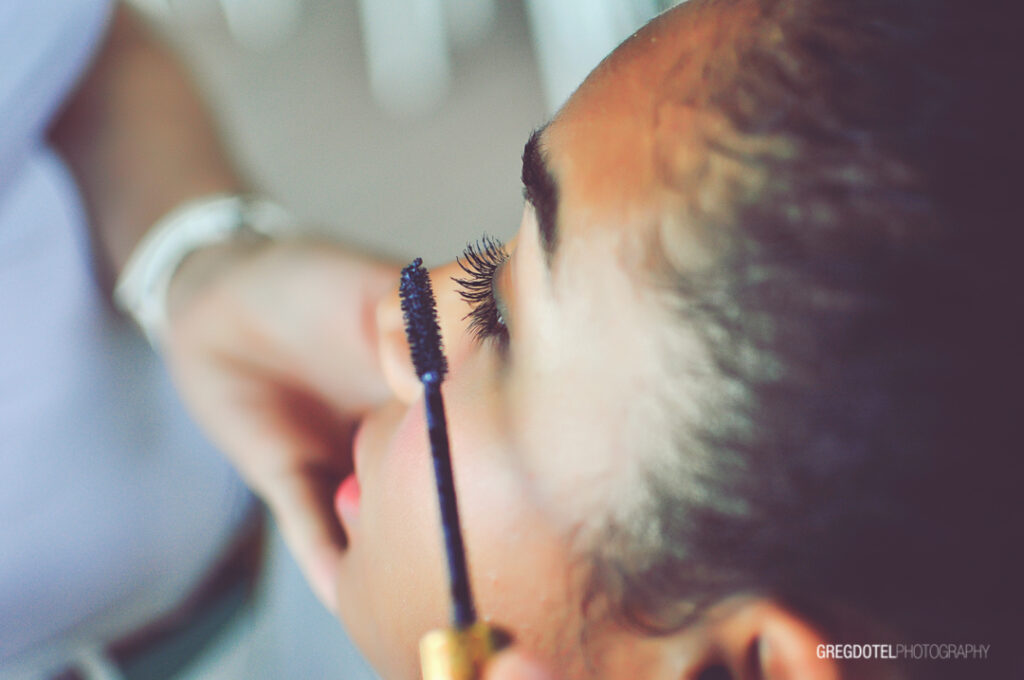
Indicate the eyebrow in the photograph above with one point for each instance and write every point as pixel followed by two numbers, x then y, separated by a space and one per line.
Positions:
pixel 541 190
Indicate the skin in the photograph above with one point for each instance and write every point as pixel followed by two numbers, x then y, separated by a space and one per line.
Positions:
pixel 138 140
pixel 282 351
pixel 543 439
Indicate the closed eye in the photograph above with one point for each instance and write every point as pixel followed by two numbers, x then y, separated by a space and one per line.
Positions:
pixel 481 262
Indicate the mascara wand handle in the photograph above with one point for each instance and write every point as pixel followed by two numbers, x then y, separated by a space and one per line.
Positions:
pixel 460 654
pixel 464 613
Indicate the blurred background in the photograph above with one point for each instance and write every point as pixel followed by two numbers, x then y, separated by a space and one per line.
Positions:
pixel 396 125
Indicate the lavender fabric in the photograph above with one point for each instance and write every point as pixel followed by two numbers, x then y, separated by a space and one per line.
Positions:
pixel 112 504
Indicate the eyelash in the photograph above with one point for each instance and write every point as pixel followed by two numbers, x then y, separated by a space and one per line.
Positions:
pixel 481 261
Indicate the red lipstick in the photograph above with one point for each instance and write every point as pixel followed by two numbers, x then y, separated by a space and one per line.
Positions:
pixel 346 498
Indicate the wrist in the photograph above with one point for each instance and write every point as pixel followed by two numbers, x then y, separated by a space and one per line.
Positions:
pixel 200 269
pixel 204 232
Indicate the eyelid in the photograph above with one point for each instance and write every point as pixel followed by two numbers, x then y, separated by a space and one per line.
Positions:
pixel 500 286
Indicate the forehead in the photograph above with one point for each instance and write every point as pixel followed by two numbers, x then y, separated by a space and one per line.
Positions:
pixel 589 400
pixel 604 145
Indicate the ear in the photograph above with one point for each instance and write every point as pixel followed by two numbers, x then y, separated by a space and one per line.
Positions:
pixel 756 639
pixel 741 639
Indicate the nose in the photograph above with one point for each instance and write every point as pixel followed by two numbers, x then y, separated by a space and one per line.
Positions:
pixel 396 362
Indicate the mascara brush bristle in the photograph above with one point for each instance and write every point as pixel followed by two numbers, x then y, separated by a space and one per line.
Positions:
pixel 421 327
pixel 424 334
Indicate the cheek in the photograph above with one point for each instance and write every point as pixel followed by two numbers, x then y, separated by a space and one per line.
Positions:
pixel 395 581
pixel 522 569
pixel 403 518
pixel 520 565
pixel 390 582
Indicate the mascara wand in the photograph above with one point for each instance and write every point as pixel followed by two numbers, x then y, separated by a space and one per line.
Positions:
pixel 460 652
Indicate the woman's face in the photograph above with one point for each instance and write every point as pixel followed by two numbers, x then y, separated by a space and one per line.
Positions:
pixel 544 426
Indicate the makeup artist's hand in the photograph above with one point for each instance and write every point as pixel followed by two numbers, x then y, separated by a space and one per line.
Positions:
pixel 273 349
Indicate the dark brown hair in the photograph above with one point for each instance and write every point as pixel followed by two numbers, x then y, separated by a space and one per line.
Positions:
pixel 859 437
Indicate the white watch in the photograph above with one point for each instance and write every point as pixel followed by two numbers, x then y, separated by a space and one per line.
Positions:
pixel 141 289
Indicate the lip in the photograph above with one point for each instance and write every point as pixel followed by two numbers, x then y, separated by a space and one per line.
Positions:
pixel 346 497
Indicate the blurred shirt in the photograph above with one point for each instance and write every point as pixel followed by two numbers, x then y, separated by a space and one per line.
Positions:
pixel 112 505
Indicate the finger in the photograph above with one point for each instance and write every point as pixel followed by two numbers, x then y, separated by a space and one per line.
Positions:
pixel 303 506
pixel 512 664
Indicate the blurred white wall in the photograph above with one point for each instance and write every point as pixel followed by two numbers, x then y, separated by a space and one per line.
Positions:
pixel 301 120
pixel 573 36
